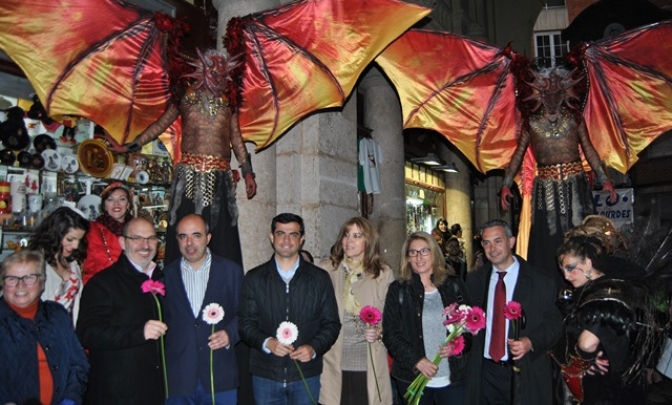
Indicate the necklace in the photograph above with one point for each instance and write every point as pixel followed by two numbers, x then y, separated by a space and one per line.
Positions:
pixel 550 128
pixel 208 104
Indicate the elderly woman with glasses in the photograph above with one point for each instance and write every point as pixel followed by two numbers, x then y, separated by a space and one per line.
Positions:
pixel 40 355
pixel 413 322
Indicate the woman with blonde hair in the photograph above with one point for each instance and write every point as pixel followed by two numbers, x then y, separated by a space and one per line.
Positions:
pixel 360 279
pixel 413 322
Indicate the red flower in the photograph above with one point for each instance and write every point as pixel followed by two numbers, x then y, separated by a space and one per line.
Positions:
pixel 475 320
pixel 370 315
pixel 154 287
pixel 456 346
pixel 513 311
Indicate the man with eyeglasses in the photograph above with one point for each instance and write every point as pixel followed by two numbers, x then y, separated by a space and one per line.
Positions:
pixel 287 288
pixel 496 349
pixel 118 324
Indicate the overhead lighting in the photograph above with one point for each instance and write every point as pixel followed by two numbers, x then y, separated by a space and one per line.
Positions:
pixel 449 168
pixel 431 160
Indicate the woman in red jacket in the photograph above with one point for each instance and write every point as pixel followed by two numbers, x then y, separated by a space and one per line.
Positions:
pixel 103 237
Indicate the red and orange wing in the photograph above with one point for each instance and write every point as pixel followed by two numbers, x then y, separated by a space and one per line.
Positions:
pixel 307 56
pixel 103 60
pixel 457 86
pixel 630 97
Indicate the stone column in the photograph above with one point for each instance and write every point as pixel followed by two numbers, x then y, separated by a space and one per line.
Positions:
pixel 382 114
pixel 458 198
pixel 255 215
pixel 317 174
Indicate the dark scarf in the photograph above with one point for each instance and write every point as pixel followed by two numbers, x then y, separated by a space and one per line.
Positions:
pixel 112 224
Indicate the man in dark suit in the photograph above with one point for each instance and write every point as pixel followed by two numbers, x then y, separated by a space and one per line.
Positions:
pixel 193 282
pixel 510 278
pixel 119 324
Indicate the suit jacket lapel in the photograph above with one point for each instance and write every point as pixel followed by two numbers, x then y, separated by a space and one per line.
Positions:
pixel 214 282
pixel 521 293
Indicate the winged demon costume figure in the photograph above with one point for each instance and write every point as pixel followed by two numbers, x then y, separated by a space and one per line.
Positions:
pixel 120 66
pixel 490 103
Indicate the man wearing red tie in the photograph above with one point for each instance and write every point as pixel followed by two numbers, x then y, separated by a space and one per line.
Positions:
pixel 510 278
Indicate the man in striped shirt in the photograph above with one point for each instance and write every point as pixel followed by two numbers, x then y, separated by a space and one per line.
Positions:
pixel 193 282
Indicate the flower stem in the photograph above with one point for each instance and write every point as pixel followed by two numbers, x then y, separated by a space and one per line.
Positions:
pixel 163 349
pixel 375 376
pixel 304 382
pixel 212 378
pixel 415 390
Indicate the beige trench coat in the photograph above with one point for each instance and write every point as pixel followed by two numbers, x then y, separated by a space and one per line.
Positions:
pixel 368 291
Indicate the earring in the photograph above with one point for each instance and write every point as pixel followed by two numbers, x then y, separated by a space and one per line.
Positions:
pixel 588 275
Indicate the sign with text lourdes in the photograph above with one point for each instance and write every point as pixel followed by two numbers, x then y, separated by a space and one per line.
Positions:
pixel 619 212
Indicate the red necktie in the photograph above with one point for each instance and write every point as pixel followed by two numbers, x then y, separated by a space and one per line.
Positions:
pixel 497 337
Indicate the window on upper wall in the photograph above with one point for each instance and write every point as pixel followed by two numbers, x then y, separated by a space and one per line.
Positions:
pixel 549 48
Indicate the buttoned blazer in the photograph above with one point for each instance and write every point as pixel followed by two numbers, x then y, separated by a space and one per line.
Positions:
pixel 535 291
pixel 187 351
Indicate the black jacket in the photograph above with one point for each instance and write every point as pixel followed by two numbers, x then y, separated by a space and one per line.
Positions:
pixel 402 325
pixel 308 302
pixel 535 291
pixel 19 370
pixel 125 368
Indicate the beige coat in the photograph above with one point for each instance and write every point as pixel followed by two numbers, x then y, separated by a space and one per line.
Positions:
pixel 368 291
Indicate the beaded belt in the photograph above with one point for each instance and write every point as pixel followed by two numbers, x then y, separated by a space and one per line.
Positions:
pixel 205 163
pixel 561 171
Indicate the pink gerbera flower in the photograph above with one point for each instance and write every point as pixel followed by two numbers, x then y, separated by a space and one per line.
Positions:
pixel 454 317
pixel 370 315
pixel 513 311
pixel 213 314
pixel 456 346
pixel 475 320
pixel 154 287
pixel 450 309
pixel 287 333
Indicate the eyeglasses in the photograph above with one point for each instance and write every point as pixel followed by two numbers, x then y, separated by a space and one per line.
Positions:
pixel 140 239
pixel 28 279
pixel 421 252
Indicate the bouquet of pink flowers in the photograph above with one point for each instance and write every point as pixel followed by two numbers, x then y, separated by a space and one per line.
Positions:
pixel 458 320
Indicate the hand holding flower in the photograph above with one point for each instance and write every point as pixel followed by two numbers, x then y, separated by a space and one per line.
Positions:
pixel 371 316
pixel 218 340
pixel 519 348
pixel 427 368
pixel 303 354
pixel 459 320
pixel 452 348
pixel 287 334
pixel 154 329
pixel 372 334
pixel 213 314
pixel 278 348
